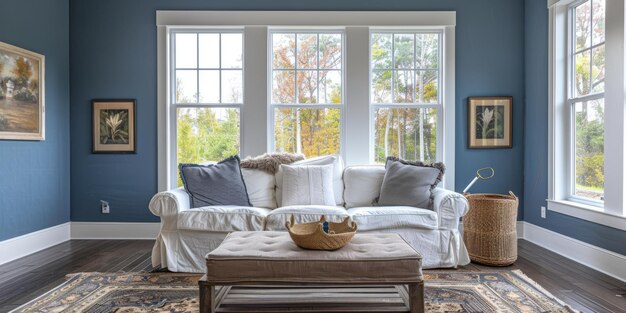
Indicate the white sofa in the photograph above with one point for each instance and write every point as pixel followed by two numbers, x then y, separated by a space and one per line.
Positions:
pixel 188 234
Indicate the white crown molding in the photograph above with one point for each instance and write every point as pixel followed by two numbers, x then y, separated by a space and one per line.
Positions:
pixel 599 259
pixel 18 247
pixel 114 230
pixel 309 18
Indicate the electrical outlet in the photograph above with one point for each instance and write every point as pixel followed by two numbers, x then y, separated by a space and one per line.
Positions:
pixel 543 212
pixel 104 205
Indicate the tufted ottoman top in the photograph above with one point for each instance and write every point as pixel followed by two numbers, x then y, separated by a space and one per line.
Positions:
pixel 266 256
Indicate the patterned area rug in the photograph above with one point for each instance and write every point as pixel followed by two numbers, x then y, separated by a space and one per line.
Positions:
pixel 451 291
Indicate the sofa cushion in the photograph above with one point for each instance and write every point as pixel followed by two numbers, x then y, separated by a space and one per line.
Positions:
pixel 261 187
pixel 215 184
pixel 362 184
pixel 224 218
pixel 409 183
pixel 393 217
pixel 337 163
pixel 308 184
pixel 277 218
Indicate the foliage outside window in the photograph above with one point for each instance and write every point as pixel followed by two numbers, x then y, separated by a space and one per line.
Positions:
pixel 306 92
pixel 405 94
pixel 587 97
pixel 207 96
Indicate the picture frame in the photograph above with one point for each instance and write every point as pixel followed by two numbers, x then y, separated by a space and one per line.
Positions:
pixel 113 126
pixel 490 122
pixel 22 94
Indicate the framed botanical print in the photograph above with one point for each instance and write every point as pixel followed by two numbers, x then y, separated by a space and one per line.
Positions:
pixel 113 126
pixel 22 86
pixel 490 122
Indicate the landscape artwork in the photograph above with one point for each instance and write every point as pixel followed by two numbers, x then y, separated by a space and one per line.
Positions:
pixel 490 122
pixel 114 126
pixel 21 94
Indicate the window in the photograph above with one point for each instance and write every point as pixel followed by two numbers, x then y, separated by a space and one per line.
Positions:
pixel 309 86
pixel 587 109
pixel 306 92
pixel 405 94
pixel 207 76
pixel 586 98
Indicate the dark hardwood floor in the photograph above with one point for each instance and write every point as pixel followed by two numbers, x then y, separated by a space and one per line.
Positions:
pixel 24 279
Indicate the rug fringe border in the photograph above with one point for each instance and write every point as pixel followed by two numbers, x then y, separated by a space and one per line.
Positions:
pixel 529 280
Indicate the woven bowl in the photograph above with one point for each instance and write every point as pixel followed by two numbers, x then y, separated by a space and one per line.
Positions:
pixel 312 236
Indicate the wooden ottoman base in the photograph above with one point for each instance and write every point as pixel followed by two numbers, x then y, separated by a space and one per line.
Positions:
pixel 299 297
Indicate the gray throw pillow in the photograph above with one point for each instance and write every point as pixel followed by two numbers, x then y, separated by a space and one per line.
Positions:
pixel 215 184
pixel 409 183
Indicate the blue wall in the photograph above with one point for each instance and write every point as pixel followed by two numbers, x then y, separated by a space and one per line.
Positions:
pixel 536 141
pixel 113 55
pixel 34 175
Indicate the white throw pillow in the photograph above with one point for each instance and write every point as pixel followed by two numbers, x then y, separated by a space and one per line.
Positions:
pixel 308 185
pixel 260 186
pixel 337 163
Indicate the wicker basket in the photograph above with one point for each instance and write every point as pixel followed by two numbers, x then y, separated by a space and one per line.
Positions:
pixel 489 228
pixel 312 235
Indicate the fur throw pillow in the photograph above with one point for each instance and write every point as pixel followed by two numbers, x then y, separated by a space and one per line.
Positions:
pixel 270 162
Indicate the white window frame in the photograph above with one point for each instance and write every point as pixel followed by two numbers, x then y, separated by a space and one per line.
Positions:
pixel 356 112
pixel 173 105
pixel 561 142
pixel 441 124
pixel 270 72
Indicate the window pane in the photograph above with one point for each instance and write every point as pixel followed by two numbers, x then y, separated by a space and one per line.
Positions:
pixel 307 86
pixel 186 50
pixel 330 51
pixel 427 51
pixel 232 90
pixel 599 17
pixel 581 74
pixel 403 50
pixel 381 51
pixel 284 50
pixel 597 69
pixel 582 23
pixel 232 50
pixel 307 51
pixel 284 87
pixel 381 86
pixel 206 134
pixel 427 88
pixel 590 149
pixel 409 134
pixel 209 47
pixel 313 132
pixel 186 85
pixel 209 87
pixel 404 86
pixel 330 87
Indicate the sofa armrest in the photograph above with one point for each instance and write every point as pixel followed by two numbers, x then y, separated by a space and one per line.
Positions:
pixel 450 206
pixel 169 203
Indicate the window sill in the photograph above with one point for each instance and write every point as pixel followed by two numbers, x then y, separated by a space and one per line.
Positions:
pixel 588 212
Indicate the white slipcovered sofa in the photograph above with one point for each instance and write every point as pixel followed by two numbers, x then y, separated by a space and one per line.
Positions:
pixel 188 234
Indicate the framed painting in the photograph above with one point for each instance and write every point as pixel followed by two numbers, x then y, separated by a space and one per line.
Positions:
pixel 490 122
pixel 113 126
pixel 22 108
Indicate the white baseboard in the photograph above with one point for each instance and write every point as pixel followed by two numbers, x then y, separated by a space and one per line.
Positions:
pixel 30 243
pixel 520 229
pixel 601 260
pixel 113 230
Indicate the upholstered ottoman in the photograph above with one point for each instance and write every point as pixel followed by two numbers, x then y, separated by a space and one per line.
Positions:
pixel 271 258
